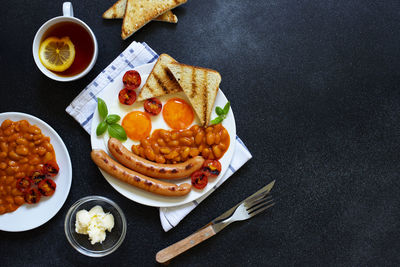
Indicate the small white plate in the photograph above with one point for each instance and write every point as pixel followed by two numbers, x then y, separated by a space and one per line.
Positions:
pixel 110 96
pixel 27 217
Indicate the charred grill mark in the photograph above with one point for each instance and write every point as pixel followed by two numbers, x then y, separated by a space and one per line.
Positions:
pixel 171 77
pixel 118 150
pixel 205 96
pixel 162 170
pixel 171 188
pixel 136 178
pixel 105 160
pixel 148 183
pixel 174 170
pixel 165 89
pixel 114 167
pixel 124 173
pixel 189 166
pixel 194 86
pixel 151 168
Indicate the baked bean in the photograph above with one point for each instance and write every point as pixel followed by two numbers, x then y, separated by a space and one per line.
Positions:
pixel 34 130
pixel 185 152
pixel 28 136
pixel 13 137
pixel 15 192
pixel 199 138
pixel 209 129
pixel 37 137
pixel 161 142
pixel 165 134
pixel 217 151
pixel 40 150
pixel 34 160
pixel 145 143
pixel 48 146
pixel 173 143
pixel 222 147
pixel 9 179
pixel 195 128
pixel 160 159
pixel 135 149
pixel 141 152
pixel 187 133
pixel 165 150
pixel 9 131
pixel 177 159
pixel 9 199
pixel 211 155
pixel 24 125
pixel 3 155
pixel 22 150
pixel 19 200
pixel 6 124
pixel 194 152
pixel 185 141
pixel 19 175
pixel 38 142
pixel 172 155
pixel 174 135
pixel 150 154
pixel 22 141
pixel 31 145
pixel 205 152
pixel 224 135
pixel 217 139
pixel 48 156
pixel 23 160
pixel 3 165
pixel 210 137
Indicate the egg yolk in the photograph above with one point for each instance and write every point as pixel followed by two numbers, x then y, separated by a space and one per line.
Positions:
pixel 136 125
pixel 178 114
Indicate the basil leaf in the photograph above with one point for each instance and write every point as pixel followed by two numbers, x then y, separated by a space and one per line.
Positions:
pixel 226 108
pixel 102 107
pixel 112 118
pixel 223 116
pixel 219 111
pixel 101 128
pixel 217 120
pixel 116 131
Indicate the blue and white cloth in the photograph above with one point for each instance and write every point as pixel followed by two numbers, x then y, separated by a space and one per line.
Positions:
pixel 84 105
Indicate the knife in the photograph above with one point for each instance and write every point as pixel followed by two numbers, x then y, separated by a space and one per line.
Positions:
pixel 209 229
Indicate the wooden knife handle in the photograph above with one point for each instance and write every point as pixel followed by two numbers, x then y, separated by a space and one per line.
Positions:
pixel 179 247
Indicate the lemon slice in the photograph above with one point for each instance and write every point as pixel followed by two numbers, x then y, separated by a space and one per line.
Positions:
pixel 57 54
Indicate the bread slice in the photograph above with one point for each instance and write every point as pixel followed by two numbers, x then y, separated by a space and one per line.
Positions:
pixel 200 85
pixel 160 81
pixel 117 11
pixel 139 12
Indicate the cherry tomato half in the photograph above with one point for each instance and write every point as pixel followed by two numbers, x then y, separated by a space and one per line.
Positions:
pixel 47 187
pixel 127 96
pixel 37 176
pixel 131 79
pixel 50 169
pixel 212 167
pixel 24 183
pixel 153 106
pixel 32 196
pixel 199 179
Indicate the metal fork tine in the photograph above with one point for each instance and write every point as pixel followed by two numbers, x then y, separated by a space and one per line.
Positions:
pixel 257 197
pixel 253 203
pixel 261 210
pixel 259 205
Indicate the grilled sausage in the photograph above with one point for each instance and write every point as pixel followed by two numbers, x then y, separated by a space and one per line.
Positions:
pixel 106 163
pixel 152 169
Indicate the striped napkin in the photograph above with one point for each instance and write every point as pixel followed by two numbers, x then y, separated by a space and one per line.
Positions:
pixel 83 106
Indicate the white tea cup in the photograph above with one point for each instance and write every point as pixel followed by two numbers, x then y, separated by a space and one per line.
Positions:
pixel 68 16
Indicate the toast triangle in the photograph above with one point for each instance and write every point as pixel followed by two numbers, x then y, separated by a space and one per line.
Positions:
pixel 117 11
pixel 160 81
pixel 200 86
pixel 139 12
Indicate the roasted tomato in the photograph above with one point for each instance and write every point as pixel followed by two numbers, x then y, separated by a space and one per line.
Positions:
pixel 153 106
pixel 50 169
pixel 32 196
pixel 37 176
pixel 199 179
pixel 127 96
pixel 47 187
pixel 24 183
pixel 212 167
pixel 131 79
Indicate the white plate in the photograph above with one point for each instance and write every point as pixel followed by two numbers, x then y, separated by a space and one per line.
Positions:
pixel 110 96
pixel 27 217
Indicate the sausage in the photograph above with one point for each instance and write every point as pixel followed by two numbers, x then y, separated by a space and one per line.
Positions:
pixel 110 166
pixel 152 169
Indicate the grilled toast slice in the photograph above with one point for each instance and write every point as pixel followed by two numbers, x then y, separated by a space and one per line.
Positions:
pixel 160 81
pixel 139 12
pixel 200 85
pixel 117 11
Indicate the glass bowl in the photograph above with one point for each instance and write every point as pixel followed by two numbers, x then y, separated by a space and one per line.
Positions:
pixel 81 242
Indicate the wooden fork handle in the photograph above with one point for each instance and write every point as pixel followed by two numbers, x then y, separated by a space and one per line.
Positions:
pixel 179 247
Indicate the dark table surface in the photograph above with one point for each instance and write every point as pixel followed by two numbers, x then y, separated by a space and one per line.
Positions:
pixel 314 88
